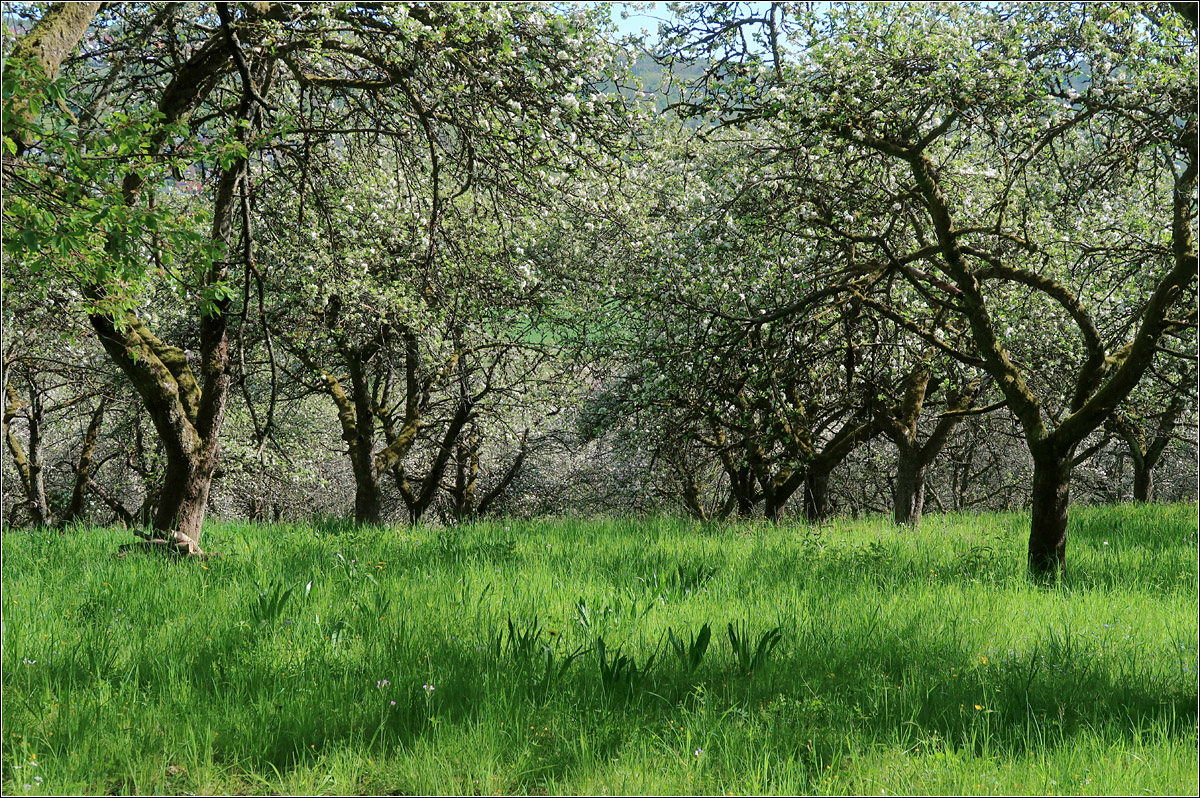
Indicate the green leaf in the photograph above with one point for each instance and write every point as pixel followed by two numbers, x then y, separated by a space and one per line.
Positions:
pixel 30 239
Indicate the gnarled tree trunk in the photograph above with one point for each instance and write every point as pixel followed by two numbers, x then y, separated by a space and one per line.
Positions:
pixel 1146 451
pixel 901 424
pixel 187 409
pixel 1143 480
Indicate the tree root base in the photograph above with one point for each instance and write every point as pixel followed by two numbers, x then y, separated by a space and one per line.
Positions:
pixel 178 546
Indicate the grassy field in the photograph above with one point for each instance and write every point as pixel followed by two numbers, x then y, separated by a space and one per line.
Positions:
pixel 568 657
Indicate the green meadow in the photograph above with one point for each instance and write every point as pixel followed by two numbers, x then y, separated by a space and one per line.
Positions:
pixel 590 657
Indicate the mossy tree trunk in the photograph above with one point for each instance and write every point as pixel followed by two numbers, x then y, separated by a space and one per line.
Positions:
pixel 28 460
pixel 42 52
pixel 908 492
pixel 186 408
pixel 83 467
pixel 1146 449
pixel 816 495
pixel 901 425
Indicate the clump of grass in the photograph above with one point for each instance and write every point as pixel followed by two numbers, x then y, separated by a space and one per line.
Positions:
pixel 751 657
pixel 691 653
pixel 620 674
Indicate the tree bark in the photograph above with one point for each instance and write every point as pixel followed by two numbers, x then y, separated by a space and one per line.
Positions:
pixel 366 495
pixel 466 476
pixel 29 465
pixel 44 49
pixel 366 477
pixel 816 496
pixel 1143 480
pixel 358 433
pixel 909 490
pixel 83 468
pixel 1048 516
pixel 183 502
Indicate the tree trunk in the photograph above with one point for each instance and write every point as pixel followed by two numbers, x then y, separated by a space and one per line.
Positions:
pixel 358 431
pixel 1048 516
pixel 774 507
pixel 29 466
pixel 366 477
pixel 1143 480
pixel 741 489
pixel 83 469
pixel 187 408
pixel 466 477
pixel 184 498
pixel 43 50
pixel 513 470
pixel 122 514
pixel 1146 453
pixel 909 489
pixel 901 425
pixel 366 494
pixel 816 496
pixel 433 479
pixel 690 492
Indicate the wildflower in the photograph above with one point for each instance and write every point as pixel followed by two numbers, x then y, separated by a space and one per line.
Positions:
pixel 698 752
pixel 382 683
pixel 428 688
pixel 393 703
pixel 977 706
pixel 983 660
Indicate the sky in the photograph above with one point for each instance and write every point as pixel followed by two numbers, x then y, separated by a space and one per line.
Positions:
pixel 647 15
pixel 639 17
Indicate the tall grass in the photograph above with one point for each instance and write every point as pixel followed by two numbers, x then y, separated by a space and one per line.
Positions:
pixel 563 656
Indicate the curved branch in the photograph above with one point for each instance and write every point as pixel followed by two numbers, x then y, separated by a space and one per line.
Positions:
pixel 1094 367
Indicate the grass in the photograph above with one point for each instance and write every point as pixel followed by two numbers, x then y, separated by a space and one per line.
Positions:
pixel 566 656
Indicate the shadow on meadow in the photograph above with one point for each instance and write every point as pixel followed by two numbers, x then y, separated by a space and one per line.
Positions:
pixel 551 655
pixel 895 685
